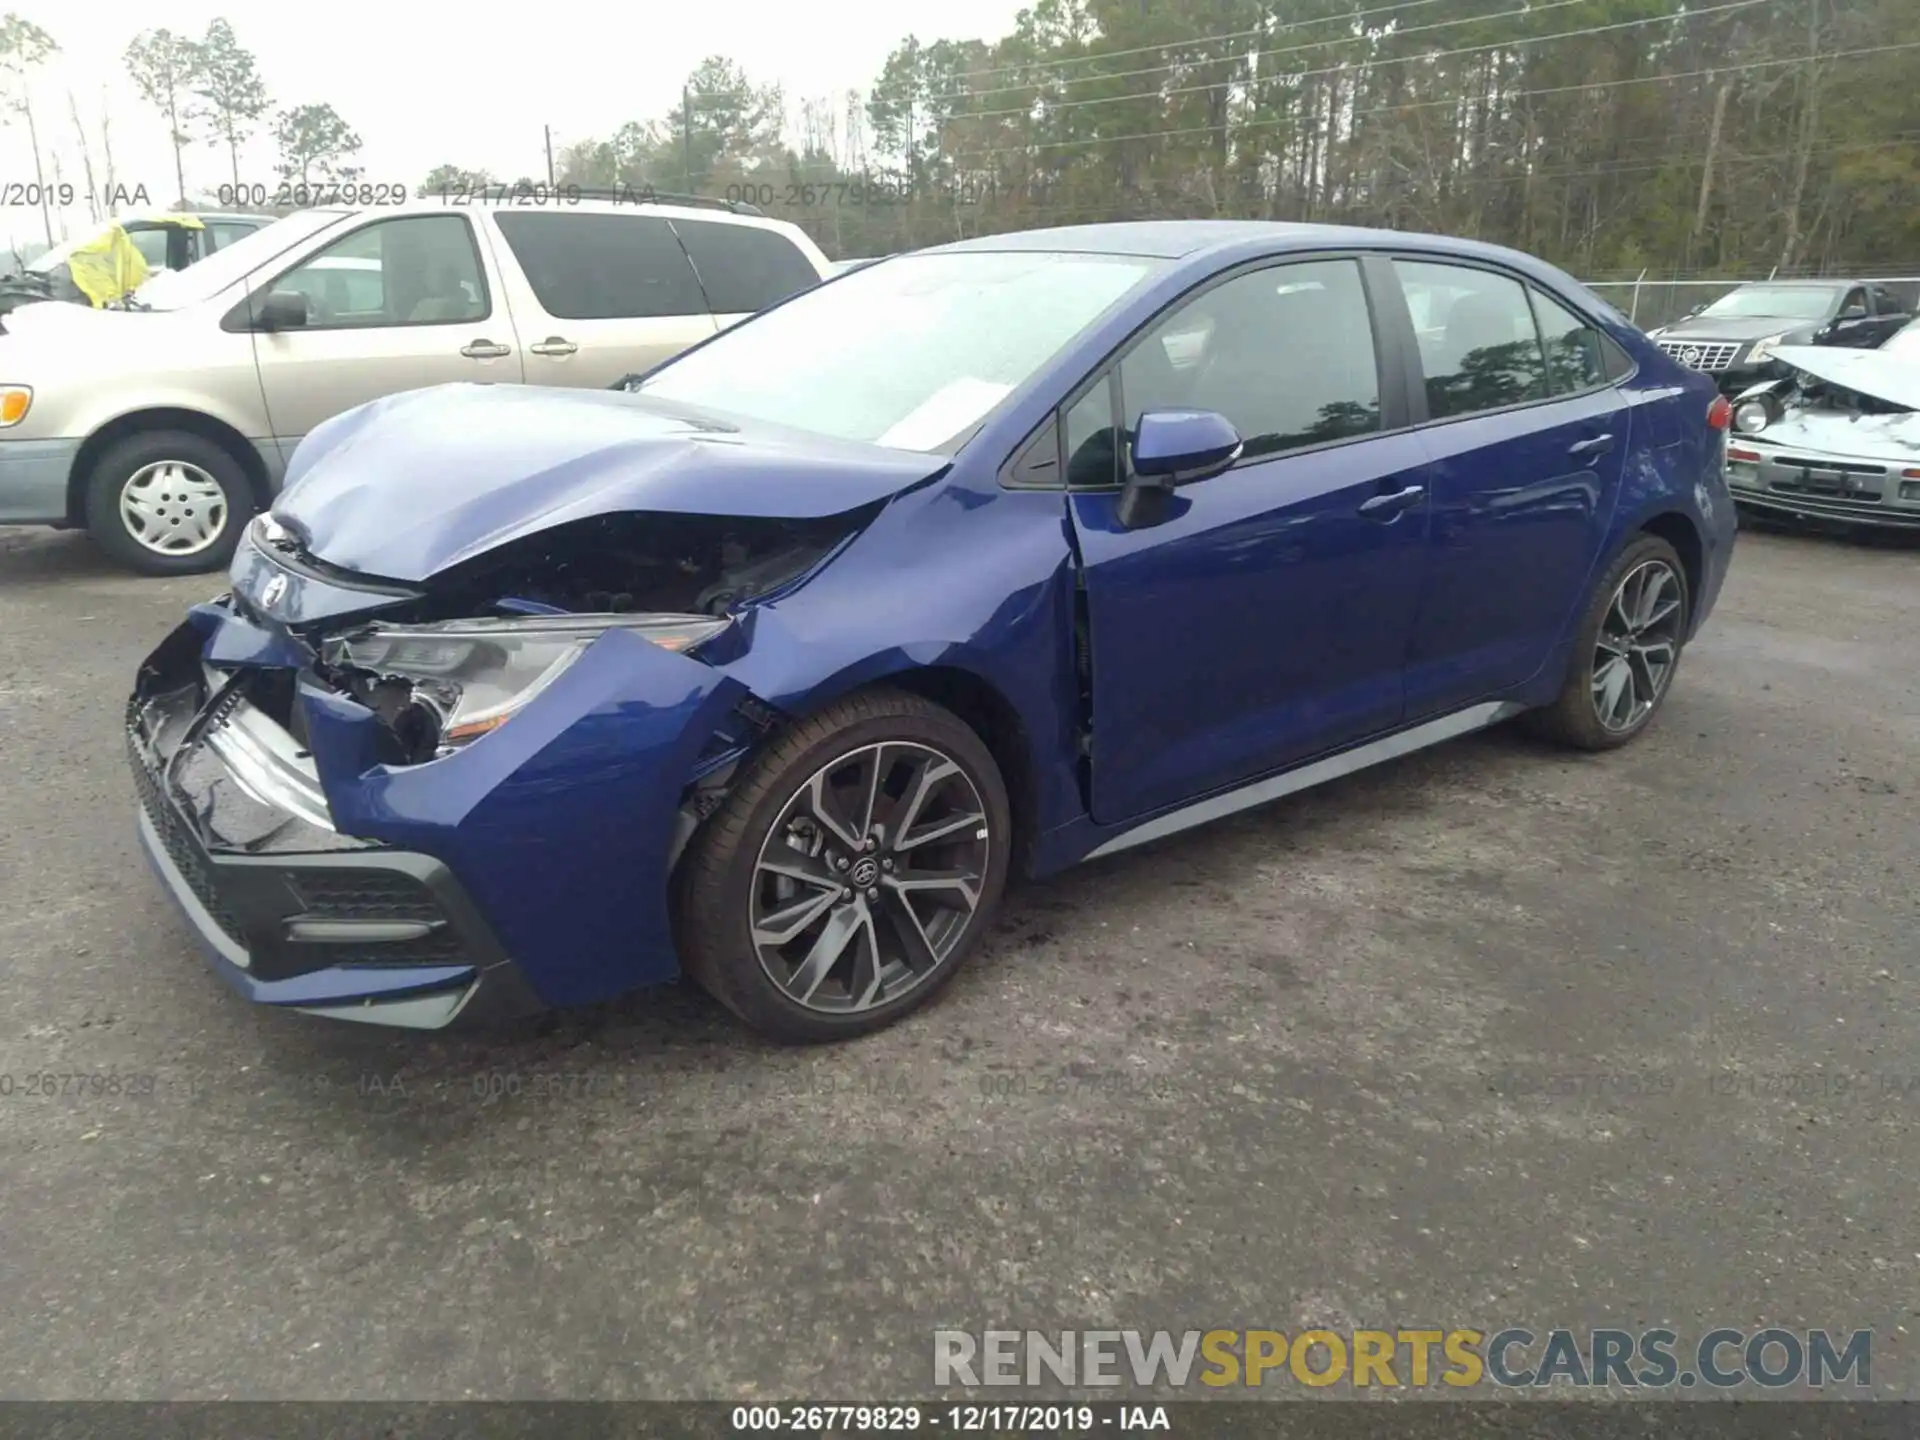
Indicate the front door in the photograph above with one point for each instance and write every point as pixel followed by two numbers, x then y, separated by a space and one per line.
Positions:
pixel 1527 450
pixel 1264 618
pixel 394 305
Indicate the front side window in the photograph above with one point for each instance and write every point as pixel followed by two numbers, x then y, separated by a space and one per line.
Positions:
pixel 416 270
pixel 1854 304
pixel 1092 443
pixel 152 245
pixel 1480 349
pixel 912 354
pixel 1286 354
pixel 602 267
pixel 224 234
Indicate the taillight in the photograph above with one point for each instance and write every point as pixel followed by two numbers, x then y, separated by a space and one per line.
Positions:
pixel 1720 413
pixel 1750 455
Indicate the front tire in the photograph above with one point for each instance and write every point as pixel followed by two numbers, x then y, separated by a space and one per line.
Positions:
pixel 1626 651
pixel 168 502
pixel 850 872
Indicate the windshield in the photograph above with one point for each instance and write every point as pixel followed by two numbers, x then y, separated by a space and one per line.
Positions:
pixel 911 353
pixel 177 289
pixel 1785 302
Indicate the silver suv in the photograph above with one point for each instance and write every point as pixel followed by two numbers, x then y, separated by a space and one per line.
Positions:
pixel 162 428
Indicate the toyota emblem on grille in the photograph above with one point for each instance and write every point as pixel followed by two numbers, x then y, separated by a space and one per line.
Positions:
pixel 276 587
pixel 1691 356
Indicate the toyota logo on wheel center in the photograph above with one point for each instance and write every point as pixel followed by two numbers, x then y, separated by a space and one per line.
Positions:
pixel 865 871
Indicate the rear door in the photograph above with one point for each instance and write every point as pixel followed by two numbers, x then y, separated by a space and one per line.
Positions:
pixel 1526 438
pixel 744 268
pixel 392 305
pixel 597 295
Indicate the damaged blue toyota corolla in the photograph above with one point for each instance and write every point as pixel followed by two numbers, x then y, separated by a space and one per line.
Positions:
pixel 774 664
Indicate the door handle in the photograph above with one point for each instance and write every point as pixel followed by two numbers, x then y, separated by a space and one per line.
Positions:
pixel 554 345
pixel 485 350
pixel 1596 445
pixel 1385 507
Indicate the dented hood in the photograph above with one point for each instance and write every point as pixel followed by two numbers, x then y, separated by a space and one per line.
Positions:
pixel 410 485
pixel 1892 378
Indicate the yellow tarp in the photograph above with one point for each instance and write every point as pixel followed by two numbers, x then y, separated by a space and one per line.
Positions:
pixel 108 267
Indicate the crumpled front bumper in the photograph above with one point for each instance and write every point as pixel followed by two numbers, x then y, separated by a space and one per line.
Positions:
pixel 528 871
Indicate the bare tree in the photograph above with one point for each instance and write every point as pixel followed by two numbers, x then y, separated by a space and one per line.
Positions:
pixel 86 155
pixel 165 67
pixel 232 98
pixel 24 48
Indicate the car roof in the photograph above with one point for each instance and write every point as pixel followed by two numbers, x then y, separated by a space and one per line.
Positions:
pixel 1182 239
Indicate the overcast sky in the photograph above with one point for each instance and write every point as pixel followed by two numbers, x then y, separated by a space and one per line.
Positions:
pixel 431 84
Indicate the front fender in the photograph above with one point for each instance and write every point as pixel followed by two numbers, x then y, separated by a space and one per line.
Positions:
pixel 561 823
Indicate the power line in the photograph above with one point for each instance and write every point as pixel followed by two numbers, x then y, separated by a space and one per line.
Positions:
pixel 1524 10
pixel 1258 32
pixel 1423 57
pixel 1249 125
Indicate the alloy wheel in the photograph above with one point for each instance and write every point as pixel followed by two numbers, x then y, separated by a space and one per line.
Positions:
pixel 173 508
pixel 1639 641
pixel 869 877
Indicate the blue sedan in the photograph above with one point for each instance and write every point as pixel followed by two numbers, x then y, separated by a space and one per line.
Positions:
pixel 773 666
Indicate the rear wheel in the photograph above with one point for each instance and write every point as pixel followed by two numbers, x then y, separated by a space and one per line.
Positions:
pixel 168 502
pixel 850 872
pixel 1626 652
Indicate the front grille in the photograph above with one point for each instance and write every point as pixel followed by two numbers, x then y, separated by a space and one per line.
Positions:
pixel 365 895
pixel 1836 489
pixel 443 947
pixel 1706 355
pixel 181 848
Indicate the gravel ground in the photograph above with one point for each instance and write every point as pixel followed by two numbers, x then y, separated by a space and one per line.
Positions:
pixel 1492 1035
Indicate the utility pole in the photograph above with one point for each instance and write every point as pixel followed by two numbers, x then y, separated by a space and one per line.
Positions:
pixel 547 130
pixel 686 139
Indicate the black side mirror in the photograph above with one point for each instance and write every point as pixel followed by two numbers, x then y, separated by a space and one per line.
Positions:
pixel 1172 448
pixel 281 310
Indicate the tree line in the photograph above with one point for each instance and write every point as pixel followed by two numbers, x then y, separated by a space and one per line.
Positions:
pixel 1610 136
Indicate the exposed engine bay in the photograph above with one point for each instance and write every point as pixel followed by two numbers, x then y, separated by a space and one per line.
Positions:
pixel 485 637
pixel 627 564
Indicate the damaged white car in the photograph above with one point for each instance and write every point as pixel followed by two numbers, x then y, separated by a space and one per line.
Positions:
pixel 1837 440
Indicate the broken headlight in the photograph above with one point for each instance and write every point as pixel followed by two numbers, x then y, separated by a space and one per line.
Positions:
pixel 459 679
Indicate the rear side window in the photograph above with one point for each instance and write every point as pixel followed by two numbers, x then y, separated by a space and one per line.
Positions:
pixel 1478 344
pixel 743 268
pixel 1576 360
pixel 602 267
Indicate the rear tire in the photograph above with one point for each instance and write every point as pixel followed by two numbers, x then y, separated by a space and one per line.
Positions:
pixel 168 502
pixel 1625 652
pixel 879 927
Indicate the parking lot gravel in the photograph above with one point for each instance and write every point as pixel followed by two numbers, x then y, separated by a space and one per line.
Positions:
pixel 1491 1035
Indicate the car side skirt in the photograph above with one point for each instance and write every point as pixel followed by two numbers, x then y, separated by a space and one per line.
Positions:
pixel 1318 772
